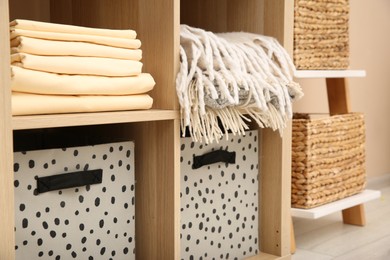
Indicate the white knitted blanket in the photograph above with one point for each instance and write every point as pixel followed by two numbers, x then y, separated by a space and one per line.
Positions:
pixel 227 79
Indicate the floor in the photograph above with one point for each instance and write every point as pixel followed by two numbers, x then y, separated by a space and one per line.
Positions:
pixel 328 238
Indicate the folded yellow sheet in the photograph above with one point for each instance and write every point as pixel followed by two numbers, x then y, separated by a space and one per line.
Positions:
pixel 53 27
pixel 78 65
pixel 31 104
pixel 38 82
pixel 103 40
pixel 62 48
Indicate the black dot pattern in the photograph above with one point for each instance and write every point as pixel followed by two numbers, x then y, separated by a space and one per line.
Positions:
pixel 66 224
pixel 219 202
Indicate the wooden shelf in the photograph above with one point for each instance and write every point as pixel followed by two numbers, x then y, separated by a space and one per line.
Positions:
pixel 158 141
pixel 263 256
pixel 306 74
pixel 365 196
pixel 82 119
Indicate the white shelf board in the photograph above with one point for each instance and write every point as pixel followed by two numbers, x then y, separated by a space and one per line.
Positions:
pixel 329 74
pixel 335 206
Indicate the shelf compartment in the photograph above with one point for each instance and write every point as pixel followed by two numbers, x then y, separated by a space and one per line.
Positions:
pixel 83 119
pixel 354 200
pixel 272 18
pixel 307 74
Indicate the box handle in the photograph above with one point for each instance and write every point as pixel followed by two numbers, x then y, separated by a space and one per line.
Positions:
pixel 214 157
pixel 69 180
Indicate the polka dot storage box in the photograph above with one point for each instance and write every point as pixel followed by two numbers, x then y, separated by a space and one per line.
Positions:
pixel 219 198
pixel 75 203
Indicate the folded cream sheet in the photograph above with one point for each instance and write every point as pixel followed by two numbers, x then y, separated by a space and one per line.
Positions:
pixel 78 65
pixel 59 36
pixel 38 82
pixel 61 48
pixel 31 104
pixel 64 28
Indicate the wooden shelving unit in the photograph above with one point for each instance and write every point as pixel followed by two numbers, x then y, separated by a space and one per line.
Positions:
pixel 156 132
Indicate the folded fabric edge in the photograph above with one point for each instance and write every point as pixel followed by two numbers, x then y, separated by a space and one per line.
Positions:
pixel 97 39
pixel 51 104
pixel 56 27
pixel 40 82
pixel 85 65
pixel 61 48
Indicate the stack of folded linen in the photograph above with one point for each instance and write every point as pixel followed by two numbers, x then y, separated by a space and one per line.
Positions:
pixel 59 68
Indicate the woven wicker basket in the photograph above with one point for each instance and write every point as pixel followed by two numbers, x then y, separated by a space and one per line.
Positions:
pixel 321 38
pixel 328 159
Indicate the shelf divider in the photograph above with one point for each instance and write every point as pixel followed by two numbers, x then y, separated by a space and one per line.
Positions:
pixel 7 221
